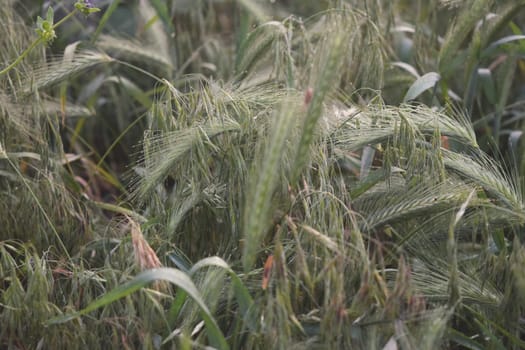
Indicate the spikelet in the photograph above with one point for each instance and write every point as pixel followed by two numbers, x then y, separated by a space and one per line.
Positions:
pixel 462 27
pixel 145 256
pixel 60 70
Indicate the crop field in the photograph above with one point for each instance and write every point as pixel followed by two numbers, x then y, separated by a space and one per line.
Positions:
pixel 262 174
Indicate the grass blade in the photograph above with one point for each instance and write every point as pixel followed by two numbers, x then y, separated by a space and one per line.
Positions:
pixel 241 292
pixel 421 85
pixel 176 277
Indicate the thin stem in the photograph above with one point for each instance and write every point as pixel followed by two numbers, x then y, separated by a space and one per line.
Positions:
pixel 66 17
pixel 21 57
pixel 138 69
pixel 35 43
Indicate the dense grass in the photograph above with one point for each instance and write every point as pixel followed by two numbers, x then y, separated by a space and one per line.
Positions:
pixel 251 174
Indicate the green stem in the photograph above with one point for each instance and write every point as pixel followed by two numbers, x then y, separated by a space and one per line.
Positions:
pixel 66 17
pixel 34 44
pixel 21 57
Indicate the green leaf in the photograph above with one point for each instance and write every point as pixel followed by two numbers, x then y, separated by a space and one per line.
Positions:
pixel 178 278
pixel 422 84
pixel 241 292
pixel 499 239
pixel 463 340
pixel 372 179
pixel 496 44
pixel 487 83
pixel 367 158
pixel 50 15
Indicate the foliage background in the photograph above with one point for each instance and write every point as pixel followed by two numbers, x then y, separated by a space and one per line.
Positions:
pixel 257 174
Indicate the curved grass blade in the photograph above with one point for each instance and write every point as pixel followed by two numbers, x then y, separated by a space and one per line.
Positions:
pixel 407 68
pixel 463 340
pixel 176 277
pixel 241 292
pixel 494 46
pixel 421 85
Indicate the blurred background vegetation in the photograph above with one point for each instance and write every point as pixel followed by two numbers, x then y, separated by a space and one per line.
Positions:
pixel 263 174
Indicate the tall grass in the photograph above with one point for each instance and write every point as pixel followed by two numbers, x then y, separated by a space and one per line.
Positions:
pixel 279 196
